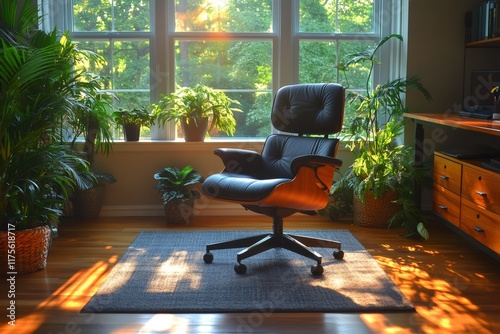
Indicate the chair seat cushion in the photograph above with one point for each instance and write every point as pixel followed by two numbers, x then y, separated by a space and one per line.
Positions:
pixel 239 187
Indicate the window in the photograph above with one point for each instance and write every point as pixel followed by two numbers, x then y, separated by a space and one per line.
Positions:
pixel 328 31
pixel 228 45
pixel 247 48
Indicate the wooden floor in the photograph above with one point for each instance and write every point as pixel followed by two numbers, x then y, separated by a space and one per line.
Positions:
pixel 454 287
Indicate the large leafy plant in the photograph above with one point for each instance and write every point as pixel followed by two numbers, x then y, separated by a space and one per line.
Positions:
pixel 173 183
pixel 193 104
pixel 37 88
pixel 381 162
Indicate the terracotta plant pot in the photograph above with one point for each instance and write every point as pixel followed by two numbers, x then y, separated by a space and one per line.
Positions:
pixel 195 131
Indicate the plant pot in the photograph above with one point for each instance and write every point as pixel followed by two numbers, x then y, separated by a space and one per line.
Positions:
pixel 131 132
pixel 31 250
pixel 194 131
pixel 179 211
pixel 375 212
pixel 88 203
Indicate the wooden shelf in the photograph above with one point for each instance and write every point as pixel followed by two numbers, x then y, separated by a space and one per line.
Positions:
pixel 455 121
pixel 485 43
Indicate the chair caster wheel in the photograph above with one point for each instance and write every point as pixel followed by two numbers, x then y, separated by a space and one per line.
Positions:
pixel 208 257
pixel 339 255
pixel 240 268
pixel 317 270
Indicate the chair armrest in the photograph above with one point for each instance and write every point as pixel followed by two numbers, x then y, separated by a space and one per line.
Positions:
pixel 314 161
pixel 239 161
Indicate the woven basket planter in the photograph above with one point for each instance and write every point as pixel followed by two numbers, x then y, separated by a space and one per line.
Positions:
pixel 31 250
pixel 179 211
pixel 88 203
pixel 375 212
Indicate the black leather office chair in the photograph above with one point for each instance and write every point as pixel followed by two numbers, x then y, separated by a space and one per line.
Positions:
pixel 293 173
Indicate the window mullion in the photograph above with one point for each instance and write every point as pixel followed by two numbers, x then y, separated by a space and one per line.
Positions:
pixel 286 60
pixel 162 77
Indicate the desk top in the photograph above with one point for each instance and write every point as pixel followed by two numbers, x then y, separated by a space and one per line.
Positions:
pixel 454 120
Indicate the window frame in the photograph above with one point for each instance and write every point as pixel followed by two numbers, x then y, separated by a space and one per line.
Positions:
pixel 285 37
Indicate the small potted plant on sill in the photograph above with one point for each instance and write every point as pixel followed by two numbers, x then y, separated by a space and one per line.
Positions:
pixel 198 109
pixel 177 195
pixel 131 121
pixel 382 175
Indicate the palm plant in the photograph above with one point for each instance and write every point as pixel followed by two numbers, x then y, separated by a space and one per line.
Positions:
pixel 381 164
pixel 37 85
pixel 91 117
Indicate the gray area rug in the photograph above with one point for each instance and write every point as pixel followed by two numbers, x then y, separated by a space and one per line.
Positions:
pixel 164 272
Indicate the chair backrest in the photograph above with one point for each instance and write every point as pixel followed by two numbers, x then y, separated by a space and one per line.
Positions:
pixel 280 150
pixel 309 109
pixel 304 109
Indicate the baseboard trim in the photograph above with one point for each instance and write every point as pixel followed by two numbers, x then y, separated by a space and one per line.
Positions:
pixel 225 209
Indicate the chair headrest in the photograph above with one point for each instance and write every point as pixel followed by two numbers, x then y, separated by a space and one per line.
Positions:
pixel 309 108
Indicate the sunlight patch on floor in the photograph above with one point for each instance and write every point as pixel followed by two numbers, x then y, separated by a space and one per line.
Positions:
pixel 379 323
pixel 177 271
pixel 165 323
pixel 440 303
pixel 27 324
pixel 74 294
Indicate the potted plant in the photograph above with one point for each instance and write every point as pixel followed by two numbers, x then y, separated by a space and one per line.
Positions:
pixel 382 175
pixel 131 121
pixel 92 120
pixel 37 169
pixel 177 195
pixel 198 109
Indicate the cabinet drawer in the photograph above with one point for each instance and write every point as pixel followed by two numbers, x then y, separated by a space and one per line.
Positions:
pixel 481 188
pixel 481 224
pixel 446 204
pixel 447 174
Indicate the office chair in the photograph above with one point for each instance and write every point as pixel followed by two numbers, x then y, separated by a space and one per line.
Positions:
pixel 293 173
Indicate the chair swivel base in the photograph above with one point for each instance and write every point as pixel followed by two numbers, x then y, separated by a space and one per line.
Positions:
pixel 261 243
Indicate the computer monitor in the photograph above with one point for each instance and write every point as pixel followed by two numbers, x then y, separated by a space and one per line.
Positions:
pixel 481 84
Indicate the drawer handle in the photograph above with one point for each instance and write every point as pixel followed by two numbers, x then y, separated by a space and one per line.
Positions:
pixel 479 229
pixel 481 193
pixel 443 207
pixel 444 177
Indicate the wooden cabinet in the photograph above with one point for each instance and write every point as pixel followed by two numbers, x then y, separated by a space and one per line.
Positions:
pixel 447 187
pixel 468 196
pixel 464 193
pixel 481 224
pixel 482 187
pixel 447 174
pixel 446 204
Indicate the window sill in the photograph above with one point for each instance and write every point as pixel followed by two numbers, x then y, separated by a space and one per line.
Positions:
pixel 146 145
